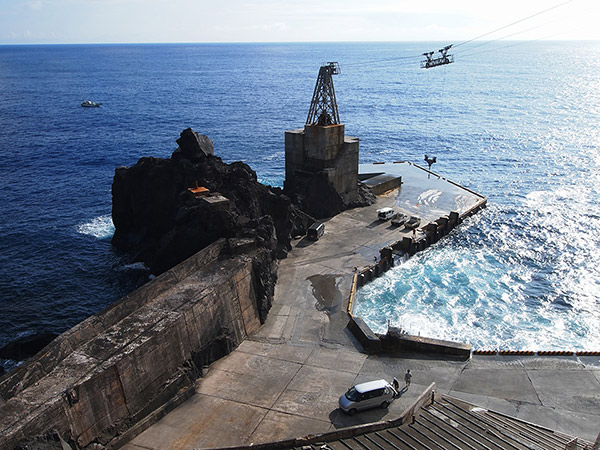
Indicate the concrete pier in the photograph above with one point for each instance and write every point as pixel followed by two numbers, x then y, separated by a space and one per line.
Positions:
pixel 285 379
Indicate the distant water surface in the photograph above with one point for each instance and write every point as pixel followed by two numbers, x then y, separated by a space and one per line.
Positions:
pixel 517 123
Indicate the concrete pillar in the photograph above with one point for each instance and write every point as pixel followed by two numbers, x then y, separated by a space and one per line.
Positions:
pixel 386 254
pixel 431 227
pixel 323 149
pixel 431 234
pixel 406 244
pixel 360 280
pixel 443 225
pixel 454 218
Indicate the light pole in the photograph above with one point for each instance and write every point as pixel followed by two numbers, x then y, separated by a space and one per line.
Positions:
pixel 430 161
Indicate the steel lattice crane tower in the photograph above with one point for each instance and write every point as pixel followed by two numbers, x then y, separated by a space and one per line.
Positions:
pixel 321 162
pixel 323 107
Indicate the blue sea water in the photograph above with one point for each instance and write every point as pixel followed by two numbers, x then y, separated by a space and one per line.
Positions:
pixel 517 122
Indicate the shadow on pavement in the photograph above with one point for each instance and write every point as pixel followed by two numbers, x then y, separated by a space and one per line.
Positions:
pixel 375 223
pixel 339 419
pixel 305 242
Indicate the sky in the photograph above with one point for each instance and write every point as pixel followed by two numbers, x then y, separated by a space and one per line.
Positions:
pixel 166 21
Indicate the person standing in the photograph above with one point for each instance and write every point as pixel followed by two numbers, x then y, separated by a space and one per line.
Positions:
pixel 407 377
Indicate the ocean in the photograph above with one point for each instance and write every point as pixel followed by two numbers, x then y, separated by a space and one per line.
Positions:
pixel 514 121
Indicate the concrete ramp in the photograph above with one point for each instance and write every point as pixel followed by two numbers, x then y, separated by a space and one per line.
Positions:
pixel 380 182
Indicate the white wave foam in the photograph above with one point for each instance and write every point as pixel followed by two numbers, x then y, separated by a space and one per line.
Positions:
pixel 275 156
pixel 465 295
pixel 429 197
pixel 271 181
pixel 136 266
pixel 99 227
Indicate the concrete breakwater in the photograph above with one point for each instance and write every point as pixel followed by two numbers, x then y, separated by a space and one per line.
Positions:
pixel 104 379
pixel 396 339
pixel 432 232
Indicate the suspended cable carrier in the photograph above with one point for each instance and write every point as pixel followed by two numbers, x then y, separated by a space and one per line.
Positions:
pixel 440 60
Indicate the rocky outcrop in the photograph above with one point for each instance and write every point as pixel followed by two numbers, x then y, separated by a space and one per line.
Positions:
pixel 27 346
pixel 365 196
pixel 193 146
pixel 162 222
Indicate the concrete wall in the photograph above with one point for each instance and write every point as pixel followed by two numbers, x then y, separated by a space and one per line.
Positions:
pixel 346 170
pixel 294 152
pixel 322 143
pixel 397 340
pixel 112 371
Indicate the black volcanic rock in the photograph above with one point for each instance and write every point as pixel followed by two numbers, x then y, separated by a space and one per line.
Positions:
pixel 193 146
pixel 158 219
pixel 27 346
pixel 365 196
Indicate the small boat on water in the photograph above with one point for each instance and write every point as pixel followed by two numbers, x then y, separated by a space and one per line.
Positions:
pixel 413 222
pixel 90 104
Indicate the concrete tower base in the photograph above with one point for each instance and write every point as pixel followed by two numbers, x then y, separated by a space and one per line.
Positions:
pixel 322 149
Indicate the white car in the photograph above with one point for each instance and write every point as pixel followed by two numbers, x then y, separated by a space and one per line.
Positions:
pixel 385 213
pixel 372 394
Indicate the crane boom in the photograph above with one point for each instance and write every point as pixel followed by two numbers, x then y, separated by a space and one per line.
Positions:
pixel 323 107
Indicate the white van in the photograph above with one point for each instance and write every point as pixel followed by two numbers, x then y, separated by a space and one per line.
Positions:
pixel 372 394
pixel 385 213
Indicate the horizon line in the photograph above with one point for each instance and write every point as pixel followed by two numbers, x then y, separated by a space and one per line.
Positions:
pixel 281 42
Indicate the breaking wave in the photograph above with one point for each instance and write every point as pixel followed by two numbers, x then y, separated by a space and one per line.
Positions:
pixel 99 227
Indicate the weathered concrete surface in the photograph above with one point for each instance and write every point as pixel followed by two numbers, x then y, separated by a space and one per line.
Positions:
pixel 321 168
pixel 284 381
pixel 397 341
pixel 94 382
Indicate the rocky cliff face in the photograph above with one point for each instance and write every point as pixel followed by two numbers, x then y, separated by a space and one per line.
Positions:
pixel 25 347
pixel 158 218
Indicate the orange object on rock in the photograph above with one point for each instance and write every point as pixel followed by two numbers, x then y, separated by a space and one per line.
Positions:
pixel 199 190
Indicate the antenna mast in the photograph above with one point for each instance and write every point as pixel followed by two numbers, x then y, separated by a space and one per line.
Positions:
pixel 323 107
